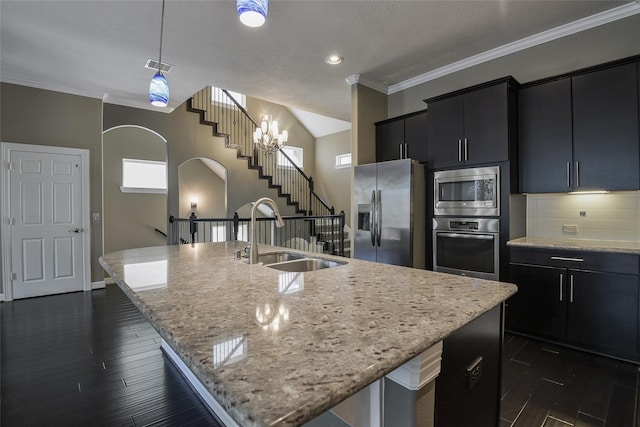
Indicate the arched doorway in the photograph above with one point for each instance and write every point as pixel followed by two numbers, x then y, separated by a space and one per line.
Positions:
pixel 133 216
pixel 202 187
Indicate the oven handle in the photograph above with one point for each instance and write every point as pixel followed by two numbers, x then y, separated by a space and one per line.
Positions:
pixel 467 236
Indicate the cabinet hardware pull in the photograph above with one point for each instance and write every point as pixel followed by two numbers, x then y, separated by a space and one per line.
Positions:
pixel 561 287
pixel 466 149
pixel 577 174
pixel 568 174
pixel 400 148
pixel 571 288
pixel 459 150
pixel 406 151
pixel 562 258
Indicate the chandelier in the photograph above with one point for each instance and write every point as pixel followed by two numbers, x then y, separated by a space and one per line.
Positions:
pixel 266 136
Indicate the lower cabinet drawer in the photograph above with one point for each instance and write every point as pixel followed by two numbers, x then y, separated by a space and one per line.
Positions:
pixel 580 260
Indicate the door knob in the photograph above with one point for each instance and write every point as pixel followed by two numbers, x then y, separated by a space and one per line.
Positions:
pixel 76 230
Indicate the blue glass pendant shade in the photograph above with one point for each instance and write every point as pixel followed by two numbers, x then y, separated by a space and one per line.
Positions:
pixel 159 90
pixel 252 13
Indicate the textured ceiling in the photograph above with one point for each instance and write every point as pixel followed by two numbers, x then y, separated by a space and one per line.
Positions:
pixel 99 48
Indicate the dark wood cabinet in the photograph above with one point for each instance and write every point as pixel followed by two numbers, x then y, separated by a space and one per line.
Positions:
pixel 581 133
pixel 605 129
pixel 472 127
pixel 545 137
pixel 602 312
pixel 477 344
pixel 538 308
pixel 402 138
pixel 566 301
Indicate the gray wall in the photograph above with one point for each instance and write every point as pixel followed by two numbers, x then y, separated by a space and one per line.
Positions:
pixel 41 117
pixel 195 179
pixel 130 218
pixel 188 139
pixel 333 184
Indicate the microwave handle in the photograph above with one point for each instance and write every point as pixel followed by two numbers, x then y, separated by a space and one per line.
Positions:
pixel 372 218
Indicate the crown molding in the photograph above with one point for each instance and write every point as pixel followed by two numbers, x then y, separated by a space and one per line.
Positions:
pixel 587 23
pixel 370 83
pixel 21 81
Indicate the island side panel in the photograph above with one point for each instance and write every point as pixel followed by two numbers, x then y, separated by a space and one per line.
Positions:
pixel 461 400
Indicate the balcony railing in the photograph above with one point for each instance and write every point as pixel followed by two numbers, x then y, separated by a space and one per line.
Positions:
pixel 320 233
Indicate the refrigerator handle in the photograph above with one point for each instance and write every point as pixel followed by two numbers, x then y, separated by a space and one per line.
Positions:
pixel 379 217
pixel 372 218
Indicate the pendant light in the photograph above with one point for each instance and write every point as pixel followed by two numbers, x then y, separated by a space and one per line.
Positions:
pixel 252 13
pixel 159 88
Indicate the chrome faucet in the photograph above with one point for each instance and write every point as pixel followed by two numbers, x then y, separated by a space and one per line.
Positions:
pixel 253 243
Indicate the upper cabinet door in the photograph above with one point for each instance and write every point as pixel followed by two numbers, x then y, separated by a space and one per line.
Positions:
pixel 389 139
pixel 486 125
pixel 605 129
pixel 545 137
pixel 415 135
pixel 445 132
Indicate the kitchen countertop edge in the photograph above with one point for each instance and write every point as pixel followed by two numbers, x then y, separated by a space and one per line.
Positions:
pixel 609 246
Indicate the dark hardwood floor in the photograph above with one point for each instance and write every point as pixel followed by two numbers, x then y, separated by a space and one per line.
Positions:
pixel 552 386
pixel 89 359
pixel 85 359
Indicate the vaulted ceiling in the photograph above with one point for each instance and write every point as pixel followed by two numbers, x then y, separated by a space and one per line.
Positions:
pixel 99 48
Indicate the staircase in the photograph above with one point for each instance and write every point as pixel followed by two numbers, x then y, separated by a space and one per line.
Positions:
pixel 231 121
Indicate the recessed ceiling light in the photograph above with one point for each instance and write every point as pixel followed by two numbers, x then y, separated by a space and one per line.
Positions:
pixel 333 59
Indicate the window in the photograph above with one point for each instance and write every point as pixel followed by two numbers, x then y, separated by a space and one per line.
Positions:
pixel 221 98
pixel 143 176
pixel 343 160
pixel 294 153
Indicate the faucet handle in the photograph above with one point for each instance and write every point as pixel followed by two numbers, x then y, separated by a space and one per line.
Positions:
pixel 237 254
pixel 246 249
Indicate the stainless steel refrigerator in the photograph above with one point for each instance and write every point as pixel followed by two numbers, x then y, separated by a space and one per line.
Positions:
pixel 390 219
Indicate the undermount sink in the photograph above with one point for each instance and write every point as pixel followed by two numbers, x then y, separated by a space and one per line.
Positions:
pixel 278 257
pixel 296 263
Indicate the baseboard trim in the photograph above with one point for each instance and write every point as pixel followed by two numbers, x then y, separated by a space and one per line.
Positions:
pixel 98 285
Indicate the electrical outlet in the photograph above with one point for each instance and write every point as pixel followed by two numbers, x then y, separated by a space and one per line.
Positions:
pixel 474 373
pixel 570 229
pixel 583 213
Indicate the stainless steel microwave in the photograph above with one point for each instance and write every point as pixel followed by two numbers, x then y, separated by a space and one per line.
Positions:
pixel 469 192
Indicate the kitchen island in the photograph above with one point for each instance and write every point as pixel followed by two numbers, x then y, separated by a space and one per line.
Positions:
pixel 281 348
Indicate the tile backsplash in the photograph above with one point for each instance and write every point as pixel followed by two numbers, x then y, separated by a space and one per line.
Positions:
pixel 611 216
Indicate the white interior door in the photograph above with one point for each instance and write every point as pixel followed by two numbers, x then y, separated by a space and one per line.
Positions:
pixel 48 243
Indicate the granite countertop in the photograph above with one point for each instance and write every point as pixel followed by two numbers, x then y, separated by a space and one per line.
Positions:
pixel 278 348
pixel 578 244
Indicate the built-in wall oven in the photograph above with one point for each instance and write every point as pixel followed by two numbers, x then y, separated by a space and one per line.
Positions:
pixel 467 192
pixel 466 224
pixel 467 246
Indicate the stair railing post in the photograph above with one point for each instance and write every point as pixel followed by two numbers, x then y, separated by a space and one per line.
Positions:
pixel 341 253
pixel 193 227
pixel 236 225
pixel 310 211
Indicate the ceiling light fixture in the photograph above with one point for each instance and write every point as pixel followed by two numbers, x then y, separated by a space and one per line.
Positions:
pixel 266 137
pixel 252 13
pixel 159 87
pixel 333 59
